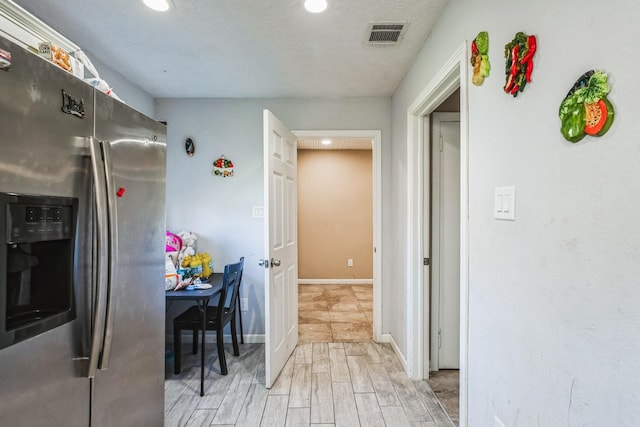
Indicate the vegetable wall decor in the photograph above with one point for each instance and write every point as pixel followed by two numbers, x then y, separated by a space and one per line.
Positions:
pixel 519 62
pixel 586 110
pixel 480 58
pixel 222 167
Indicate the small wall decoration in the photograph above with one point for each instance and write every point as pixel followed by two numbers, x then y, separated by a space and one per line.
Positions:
pixel 519 62
pixel 190 147
pixel 586 110
pixel 222 167
pixel 5 60
pixel 480 58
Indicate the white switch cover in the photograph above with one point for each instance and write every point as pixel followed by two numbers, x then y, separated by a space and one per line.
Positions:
pixel 258 212
pixel 505 203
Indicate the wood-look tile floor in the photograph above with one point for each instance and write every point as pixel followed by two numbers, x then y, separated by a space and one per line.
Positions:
pixel 335 313
pixel 322 384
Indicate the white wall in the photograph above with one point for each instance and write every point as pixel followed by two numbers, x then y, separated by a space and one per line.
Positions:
pixel 219 209
pixel 130 93
pixel 554 296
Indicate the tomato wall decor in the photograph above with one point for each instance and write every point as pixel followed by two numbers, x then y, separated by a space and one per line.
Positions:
pixel 519 62
pixel 586 110
pixel 222 167
pixel 480 58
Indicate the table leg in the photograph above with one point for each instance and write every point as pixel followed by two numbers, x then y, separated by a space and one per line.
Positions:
pixel 204 328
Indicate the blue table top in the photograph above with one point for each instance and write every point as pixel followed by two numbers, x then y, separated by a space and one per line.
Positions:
pixel 198 294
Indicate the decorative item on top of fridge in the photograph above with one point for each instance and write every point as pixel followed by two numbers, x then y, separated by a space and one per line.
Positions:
pixel 586 110
pixel 61 58
pixel 5 60
pixel 480 58
pixel 519 62
pixel 95 81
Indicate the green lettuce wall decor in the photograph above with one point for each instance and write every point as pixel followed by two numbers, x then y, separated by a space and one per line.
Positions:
pixel 586 110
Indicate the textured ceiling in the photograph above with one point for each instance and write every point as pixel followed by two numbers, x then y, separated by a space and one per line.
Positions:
pixel 245 48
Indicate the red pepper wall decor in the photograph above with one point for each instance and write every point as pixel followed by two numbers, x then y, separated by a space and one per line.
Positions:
pixel 519 62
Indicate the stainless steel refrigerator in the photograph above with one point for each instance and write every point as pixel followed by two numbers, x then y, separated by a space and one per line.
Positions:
pixel 82 223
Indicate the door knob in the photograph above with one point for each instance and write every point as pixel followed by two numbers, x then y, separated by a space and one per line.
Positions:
pixel 263 263
pixel 275 263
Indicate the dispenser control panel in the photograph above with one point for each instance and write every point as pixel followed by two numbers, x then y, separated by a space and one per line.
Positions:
pixel 30 222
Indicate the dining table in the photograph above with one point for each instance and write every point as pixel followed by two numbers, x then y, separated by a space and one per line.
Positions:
pixel 202 298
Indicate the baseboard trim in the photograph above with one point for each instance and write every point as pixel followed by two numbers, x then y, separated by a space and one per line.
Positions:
pixel 385 338
pixel 398 352
pixel 211 338
pixel 335 281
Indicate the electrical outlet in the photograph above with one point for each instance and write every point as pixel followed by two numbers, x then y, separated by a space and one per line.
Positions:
pixel 244 304
pixel 349 262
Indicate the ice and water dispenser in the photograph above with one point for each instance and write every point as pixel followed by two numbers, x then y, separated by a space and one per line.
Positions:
pixel 37 243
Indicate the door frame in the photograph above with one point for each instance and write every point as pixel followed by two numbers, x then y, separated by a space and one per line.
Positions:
pixel 453 74
pixel 433 180
pixel 376 137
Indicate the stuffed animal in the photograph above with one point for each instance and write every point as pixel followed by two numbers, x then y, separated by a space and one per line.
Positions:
pixel 189 242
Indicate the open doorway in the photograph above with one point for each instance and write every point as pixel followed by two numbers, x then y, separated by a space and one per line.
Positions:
pixel 451 77
pixel 442 219
pixel 338 235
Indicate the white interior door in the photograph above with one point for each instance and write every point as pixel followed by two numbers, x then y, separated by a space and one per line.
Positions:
pixel 446 241
pixel 281 245
pixel 426 243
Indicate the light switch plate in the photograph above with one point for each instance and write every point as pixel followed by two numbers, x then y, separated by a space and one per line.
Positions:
pixel 504 205
pixel 258 212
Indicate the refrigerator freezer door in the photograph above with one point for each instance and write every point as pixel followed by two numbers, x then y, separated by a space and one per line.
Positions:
pixel 43 153
pixel 130 391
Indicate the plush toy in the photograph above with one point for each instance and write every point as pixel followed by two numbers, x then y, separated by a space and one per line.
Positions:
pixel 189 242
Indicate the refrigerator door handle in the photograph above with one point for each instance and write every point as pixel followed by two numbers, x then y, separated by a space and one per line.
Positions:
pixel 100 300
pixel 113 252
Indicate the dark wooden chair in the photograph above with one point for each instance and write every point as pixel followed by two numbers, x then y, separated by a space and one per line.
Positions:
pixel 217 317
pixel 240 306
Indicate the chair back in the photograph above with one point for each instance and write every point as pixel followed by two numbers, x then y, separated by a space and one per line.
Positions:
pixel 230 286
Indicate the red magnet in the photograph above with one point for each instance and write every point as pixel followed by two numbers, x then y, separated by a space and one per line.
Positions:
pixel 121 191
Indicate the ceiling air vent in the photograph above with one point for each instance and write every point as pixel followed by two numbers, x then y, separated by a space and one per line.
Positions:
pixel 385 34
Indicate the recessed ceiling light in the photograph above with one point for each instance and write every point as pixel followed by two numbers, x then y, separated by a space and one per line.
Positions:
pixel 326 142
pixel 315 6
pixel 159 5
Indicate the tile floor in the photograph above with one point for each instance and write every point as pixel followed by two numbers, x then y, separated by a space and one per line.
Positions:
pixel 337 376
pixel 335 313
pixel 322 384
